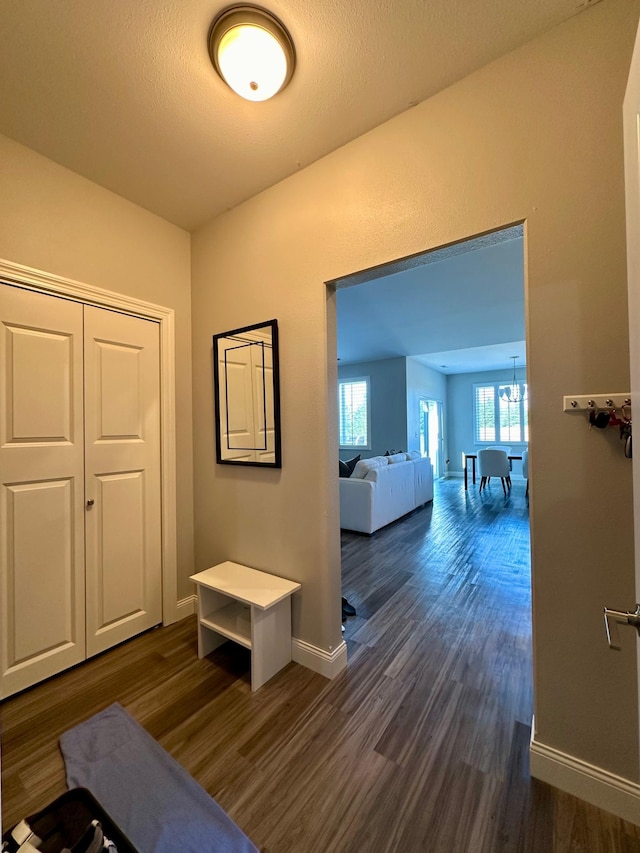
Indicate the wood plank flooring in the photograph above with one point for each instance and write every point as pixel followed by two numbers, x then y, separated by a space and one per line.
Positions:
pixel 420 745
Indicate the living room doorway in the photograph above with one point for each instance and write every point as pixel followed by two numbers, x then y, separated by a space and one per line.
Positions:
pixel 433 335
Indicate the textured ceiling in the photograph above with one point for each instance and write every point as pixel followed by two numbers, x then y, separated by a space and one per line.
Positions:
pixel 123 91
pixel 460 310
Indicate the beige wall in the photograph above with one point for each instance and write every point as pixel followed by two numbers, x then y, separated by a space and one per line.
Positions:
pixel 533 137
pixel 54 220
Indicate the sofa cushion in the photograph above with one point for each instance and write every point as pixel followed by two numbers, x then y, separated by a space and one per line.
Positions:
pixel 396 457
pixel 365 465
pixel 413 454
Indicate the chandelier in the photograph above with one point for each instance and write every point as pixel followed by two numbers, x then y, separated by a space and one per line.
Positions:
pixel 512 393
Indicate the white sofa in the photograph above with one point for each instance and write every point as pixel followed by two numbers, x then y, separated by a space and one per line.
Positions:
pixel 383 489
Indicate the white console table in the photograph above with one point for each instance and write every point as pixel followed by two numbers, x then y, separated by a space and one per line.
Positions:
pixel 251 608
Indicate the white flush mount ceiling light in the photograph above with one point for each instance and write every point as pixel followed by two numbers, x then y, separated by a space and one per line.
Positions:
pixel 252 52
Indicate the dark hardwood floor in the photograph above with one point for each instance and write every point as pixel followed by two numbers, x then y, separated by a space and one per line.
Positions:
pixel 420 745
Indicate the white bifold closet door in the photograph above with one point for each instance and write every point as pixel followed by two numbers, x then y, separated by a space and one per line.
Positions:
pixel 122 477
pixel 80 556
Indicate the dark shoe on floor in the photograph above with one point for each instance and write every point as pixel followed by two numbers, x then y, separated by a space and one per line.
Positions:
pixel 347 609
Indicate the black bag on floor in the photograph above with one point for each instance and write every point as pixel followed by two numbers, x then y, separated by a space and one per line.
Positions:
pixel 74 822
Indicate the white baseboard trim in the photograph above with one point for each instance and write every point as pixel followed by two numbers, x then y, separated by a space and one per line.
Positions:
pixel 590 783
pixel 328 664
pixel 186 607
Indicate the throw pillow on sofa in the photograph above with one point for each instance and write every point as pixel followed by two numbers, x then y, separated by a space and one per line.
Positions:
pixel 346 468
pixel 353 462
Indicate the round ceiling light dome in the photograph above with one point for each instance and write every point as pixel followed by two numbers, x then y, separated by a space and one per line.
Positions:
pixel 252 52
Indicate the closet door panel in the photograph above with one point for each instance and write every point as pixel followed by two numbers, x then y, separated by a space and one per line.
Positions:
pixel 122 436
pixel 120 528
pixel 41 399
pixel 37 628
pixel 41 487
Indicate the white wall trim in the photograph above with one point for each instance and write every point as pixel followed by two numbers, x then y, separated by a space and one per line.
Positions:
pixel 631 136
pixel 599 787
pixel 44 282
pixel 187 607
pixel 326 663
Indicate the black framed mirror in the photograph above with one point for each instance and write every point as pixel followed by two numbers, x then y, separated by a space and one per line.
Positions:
pixel 246 391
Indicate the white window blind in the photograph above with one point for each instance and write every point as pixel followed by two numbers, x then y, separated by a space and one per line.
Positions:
pixel 485 413
pixel 353 410
pixel 497 420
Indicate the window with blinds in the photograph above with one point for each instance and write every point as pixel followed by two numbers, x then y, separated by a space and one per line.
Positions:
pixel 496 419
pixel 353 411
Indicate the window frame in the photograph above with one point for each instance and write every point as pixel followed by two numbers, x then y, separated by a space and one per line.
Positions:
pixel 523 413
pixel 348 381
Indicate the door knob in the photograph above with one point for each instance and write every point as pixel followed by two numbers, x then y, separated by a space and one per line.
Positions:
pixel 90 502
pixel 613 618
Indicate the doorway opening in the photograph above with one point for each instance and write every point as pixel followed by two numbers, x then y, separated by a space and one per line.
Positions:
pixel 431 438
pixel 426 332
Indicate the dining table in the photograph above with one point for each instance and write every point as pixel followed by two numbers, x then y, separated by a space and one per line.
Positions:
pixel 473 456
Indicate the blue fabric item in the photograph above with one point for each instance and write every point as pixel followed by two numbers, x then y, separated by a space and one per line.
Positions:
pixel 154 801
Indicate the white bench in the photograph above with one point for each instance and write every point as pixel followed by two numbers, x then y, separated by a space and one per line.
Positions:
pixel 251 608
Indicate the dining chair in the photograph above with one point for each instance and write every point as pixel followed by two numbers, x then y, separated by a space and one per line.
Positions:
pixel 504 447
pixel 525 470
pixel 507 450
pixel 493 463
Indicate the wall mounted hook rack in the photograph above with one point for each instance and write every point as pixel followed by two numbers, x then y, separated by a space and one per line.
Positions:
pixel 589 402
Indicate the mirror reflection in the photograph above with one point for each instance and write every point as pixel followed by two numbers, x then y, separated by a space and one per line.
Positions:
pixel 246 392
